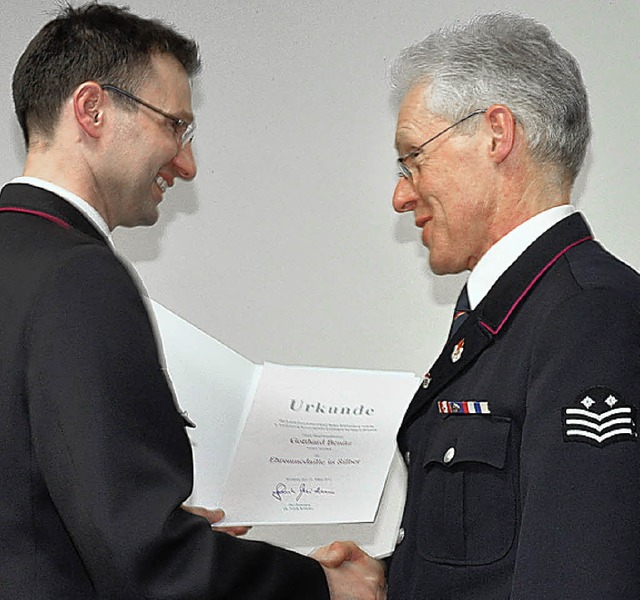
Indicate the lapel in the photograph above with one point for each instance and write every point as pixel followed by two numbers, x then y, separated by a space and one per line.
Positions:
pixel 485 324
pixel 31 198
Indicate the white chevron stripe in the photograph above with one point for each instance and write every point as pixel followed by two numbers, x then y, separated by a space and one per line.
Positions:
pixel 601 417
pixel 600 428
pixel 599 438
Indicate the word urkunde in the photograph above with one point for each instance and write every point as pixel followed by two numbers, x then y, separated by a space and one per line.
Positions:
pixel 327 409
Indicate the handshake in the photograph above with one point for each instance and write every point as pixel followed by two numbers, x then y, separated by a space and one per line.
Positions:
pixel 351 573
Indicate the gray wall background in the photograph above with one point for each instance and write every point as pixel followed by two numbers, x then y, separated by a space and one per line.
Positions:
pixel 285 247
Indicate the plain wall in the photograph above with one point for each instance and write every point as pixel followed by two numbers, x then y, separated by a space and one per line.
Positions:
pixel 285 247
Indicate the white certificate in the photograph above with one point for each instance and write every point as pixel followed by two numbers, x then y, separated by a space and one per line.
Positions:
pixel 302 446
pixel 317 445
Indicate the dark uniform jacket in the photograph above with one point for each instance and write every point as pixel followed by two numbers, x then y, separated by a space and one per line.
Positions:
pixel 94 457
pixel 521 444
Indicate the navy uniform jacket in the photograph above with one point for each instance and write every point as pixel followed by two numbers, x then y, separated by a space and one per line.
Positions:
pixel 94 458
pixel 535 494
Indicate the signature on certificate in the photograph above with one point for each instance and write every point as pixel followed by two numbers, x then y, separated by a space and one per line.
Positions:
pixel 282 490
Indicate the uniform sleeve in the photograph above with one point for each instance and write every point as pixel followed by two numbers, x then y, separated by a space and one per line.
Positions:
pixel 580 489
pixel 116 459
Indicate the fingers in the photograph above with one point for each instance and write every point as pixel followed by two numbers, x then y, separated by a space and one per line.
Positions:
pixel 356 580
pixel 333 555
pixel 215 516
pixel 234 530
pixel 351 573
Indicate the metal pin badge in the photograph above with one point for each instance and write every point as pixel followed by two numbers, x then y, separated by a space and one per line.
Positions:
pixel 457 351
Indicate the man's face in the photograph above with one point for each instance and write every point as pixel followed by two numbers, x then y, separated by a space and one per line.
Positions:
pixel 450 192
pixel 145 156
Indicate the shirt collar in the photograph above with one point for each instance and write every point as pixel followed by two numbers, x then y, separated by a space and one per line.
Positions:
pixel 95 218
pixel 506 250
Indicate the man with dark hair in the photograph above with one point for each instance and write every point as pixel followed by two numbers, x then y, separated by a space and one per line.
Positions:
pixel 521 443
pixel 95 459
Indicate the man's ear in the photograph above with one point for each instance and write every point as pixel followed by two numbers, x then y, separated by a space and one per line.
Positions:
pixel 88 106
pixel 502 125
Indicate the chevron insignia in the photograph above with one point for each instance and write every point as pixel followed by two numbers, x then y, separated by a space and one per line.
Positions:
pixel 599 417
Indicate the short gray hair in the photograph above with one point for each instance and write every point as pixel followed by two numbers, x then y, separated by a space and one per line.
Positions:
pixel 504 59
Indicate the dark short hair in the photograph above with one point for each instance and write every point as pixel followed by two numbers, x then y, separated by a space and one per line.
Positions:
pixel 93 42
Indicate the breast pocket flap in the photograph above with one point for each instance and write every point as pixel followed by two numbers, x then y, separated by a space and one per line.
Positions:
pixel 468 439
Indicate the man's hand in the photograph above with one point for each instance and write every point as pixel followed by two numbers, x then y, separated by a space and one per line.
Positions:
pixel 213 516
pixel 351 573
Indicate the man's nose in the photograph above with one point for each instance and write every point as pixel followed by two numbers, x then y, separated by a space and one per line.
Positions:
pixel 185 163
pixel 405 196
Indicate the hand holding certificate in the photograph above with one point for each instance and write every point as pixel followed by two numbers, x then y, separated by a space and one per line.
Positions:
pixel 302 446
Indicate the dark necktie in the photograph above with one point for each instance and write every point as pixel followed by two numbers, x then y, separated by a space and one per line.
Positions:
pixel 460 312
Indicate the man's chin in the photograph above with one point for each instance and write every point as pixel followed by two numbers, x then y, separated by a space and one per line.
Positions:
pixel 444 267
pixel 150 220
pixel 145 220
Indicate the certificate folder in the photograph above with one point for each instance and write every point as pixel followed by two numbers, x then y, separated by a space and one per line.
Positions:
pixel 302 453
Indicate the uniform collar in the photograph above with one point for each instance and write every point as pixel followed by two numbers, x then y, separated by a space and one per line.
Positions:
pixel 36 198
pixel 506 251
pixel 511 289
pixel 82 205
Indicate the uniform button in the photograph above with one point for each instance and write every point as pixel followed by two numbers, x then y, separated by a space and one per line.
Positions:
pixel 448 455
pixel 407 457
pixel 400 536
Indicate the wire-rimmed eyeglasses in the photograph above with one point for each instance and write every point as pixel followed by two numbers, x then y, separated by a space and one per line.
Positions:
pixel 184 130
pixel 404 170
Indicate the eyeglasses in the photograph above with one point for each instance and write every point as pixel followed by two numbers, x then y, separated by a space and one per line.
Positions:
pixel 184 130
pixel 404 170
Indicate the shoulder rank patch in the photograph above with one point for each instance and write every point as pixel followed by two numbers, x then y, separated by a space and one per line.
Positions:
pixel 599 417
